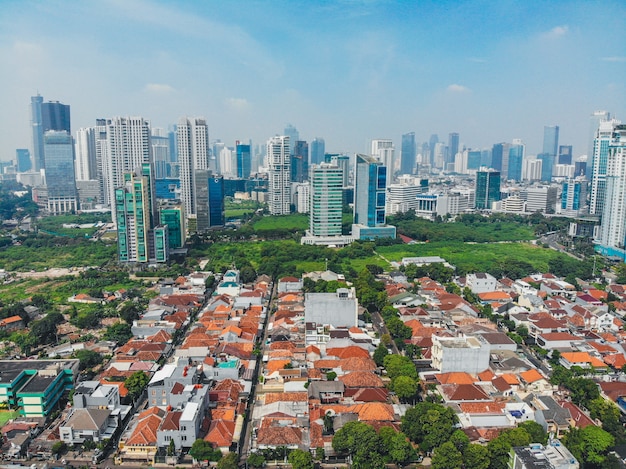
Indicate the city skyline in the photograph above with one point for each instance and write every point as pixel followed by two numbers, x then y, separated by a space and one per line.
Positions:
pixel 348 72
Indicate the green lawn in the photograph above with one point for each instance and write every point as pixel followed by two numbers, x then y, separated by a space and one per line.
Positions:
pixel 6 415
pixel 296 221
pixel 476 257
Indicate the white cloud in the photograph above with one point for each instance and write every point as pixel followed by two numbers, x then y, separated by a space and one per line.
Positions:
pixel 556 32
pixel 614 58
pixel 237 104
pixel 160 88
pixel 456 88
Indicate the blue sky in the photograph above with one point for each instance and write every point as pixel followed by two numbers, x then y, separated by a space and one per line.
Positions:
pixel 348 71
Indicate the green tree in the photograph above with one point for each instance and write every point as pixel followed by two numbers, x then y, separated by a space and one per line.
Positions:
pixel 379 354
pixel 230 461
pixel 398 365
pixel 447 457
pixel 398 329
pixel 362 443
pixel 476 456
pixel 136 383
pixel 429 424
pixel 535 431
pixel 331 376
pixel 400 450
pixel 256 460
pixel 589 445
pixel 320 454
pixel 498 450
pixel 130 311
pixel 460 440
pixel 88 359
pixel 58 447
pixel 582 390
pixel 300 459
pixel 609 414
pixel 404 386
pixel 120 333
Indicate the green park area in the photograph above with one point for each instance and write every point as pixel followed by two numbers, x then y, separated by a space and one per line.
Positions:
pixel 6 415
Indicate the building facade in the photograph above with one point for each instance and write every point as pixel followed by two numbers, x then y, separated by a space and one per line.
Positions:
pixel 599 165
pixel 279 175
pixel 487 189
pixel 613 223
pixel 326 200
pixel 408 153
pixel 59 170
pixel 192 146
pixel 139 238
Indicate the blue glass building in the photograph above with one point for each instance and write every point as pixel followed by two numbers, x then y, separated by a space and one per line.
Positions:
pixel 408 153
pixel 516 159
pixel 244 161
pixel 370 189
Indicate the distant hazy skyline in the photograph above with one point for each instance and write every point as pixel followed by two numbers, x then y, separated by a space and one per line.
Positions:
pixel 348 71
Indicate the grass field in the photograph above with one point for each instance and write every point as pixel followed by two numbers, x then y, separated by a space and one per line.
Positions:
pixel 475 257
pixel 237 212
pixel 296 221
pixel 6 415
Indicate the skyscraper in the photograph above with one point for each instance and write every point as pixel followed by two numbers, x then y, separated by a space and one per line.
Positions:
pixel 384 151
pixel 173 215
pixel 44 117
pixel 192 146
pixel 326 200
pixel 209 200
pixel 613 226
pixel 279 175
pixel 432 143
pixel 86 162
pixel 565 154
pixel 408 153
pixel 370 190
pixel 300 162
pixel 551 139
pixel 244 160
pixel 139 238
pixel 547 165
pixel 574 197
pixel 487 189
pixel 516 159
pixel 500 157
pixel 160 152
pixel 294 136
pixel 59 163
pixel 318 149
pixel 37 131
pixel 599 165
pixel 453 148
pixel 594 123
pixel 127 148
pixel 22 160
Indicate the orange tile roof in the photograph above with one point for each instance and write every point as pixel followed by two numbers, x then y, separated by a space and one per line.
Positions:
pixel 275 365
pixel 598 294
pixel 455 378
pixel 616 360
pixel 348 352
pixel 494 296
pixel 577 357
pixel 145 433
pixel 361 379
pixel 510 379
pixel 221 433
pixel 482 407
pixel 486 375
pixel 464 392
pixel 531 376
pixel 272 397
